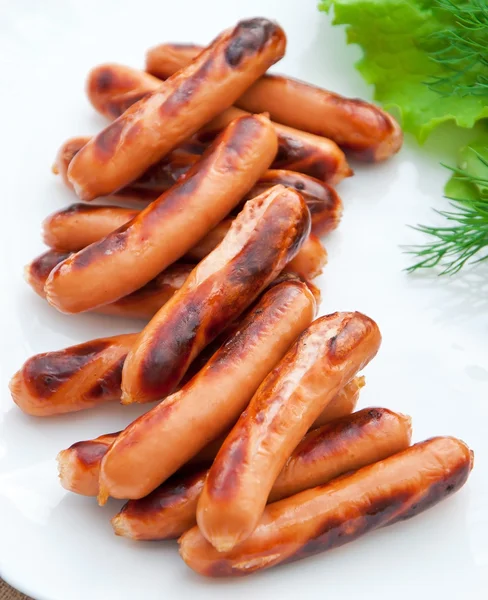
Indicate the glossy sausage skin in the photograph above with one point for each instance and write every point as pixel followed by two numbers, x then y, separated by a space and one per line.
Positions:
pixel 342 404
pixel 147 188
pixel 108 90
pixel 170 226
pixel 321 362
pixel 113 88
pixel 157 444
pixel 328 516
pixel 341 446
pixel 79 465
pixel 310 154
pixel 72 379
pixel 144 303
pixel 264 237
pixel 323 201
pixel 79 225
pixel 359 127
pixel 165 118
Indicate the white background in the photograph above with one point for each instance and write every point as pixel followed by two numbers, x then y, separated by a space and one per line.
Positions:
pixel 433 363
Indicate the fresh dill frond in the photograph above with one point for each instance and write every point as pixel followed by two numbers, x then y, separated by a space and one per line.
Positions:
pixel 462 48
pixel 464 241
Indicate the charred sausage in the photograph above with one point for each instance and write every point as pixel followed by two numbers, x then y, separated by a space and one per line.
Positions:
pixel 321 362
pixel 328 516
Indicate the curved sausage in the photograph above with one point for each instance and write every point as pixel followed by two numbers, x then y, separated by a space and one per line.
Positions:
pixel 144 303
pixel 157 444
pixel 344 445
pixel 108 90
pixel 323 359
pixel 328 516
pixel 139 250
pixel 76 378
pixel 156 180
pixel 310 260
pixel 361 128
pixel 113 88
pixel 79 465
pixel 264 237
pixel 165 118
pixel 322 200
pixel 79 225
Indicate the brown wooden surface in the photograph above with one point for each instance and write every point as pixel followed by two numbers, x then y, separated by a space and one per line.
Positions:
pixel 8 593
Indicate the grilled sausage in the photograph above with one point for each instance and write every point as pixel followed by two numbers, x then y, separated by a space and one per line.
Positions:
pixel 109 91
pixel 344 445
pixel 157 444
pixel 342 404
pixel 139 250
pixel 79 465
pixel 144 303
pixel 165 118
pixel 113 88
pixel 322 361
pixel 322 200
pixel 79 225
pixel 328 516
pixel 359 127
pixel 72 379
pixel 156 180
pixel 264 237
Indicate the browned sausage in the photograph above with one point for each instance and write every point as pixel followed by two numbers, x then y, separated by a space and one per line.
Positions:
pixel 165 118
pixel 322 200
pixel 79 465
pixel 342 404
pixel 264 237
pixel 392 490
pixel 72 379
pixel 361 128
pixel 157 444
pixel 344 445
pixel 141 304
pixel 79 225
pixel 156 180
pixel 140 249
pixel 113 88
pixel 109 91
pixel 324 359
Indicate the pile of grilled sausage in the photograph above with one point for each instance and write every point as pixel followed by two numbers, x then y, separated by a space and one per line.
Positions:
pixel 252 455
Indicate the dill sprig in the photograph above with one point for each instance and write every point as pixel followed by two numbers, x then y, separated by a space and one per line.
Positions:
pixel 454 246
pixel 464 49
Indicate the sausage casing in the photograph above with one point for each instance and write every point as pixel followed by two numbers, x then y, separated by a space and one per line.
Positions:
pixel 181 425
pixel 361 128
pixel 325 517
pixel 79 465
pixel 344 445
pixel 76 378
pixel 170 226
pixel 109 91
pixel 165 118
pixel 264 237
pixel 323 359
pixel 144 303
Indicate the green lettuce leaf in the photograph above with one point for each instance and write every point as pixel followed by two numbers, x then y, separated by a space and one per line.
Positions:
pixel 399 39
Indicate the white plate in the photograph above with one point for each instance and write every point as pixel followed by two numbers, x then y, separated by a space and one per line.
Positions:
pixel 433 362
